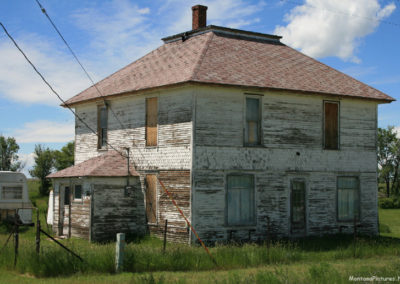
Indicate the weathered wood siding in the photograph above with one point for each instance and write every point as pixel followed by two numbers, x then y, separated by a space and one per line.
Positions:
pixel 114 212
pixel 178 185
pixel 291 148
pixel 170 159
pixel 80 208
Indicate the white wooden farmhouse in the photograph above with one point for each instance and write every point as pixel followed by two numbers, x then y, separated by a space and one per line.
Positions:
pixel 239 127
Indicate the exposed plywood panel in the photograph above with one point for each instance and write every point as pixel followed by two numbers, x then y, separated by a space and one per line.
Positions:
pixel 151 121
pixel 331 125
pixel 151 198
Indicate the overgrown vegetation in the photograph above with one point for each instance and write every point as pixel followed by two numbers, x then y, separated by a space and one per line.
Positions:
pixel 389 160
pixel 147 255
pixel 46 160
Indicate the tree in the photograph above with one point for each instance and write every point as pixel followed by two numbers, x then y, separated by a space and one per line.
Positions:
pixel 389 158
pixel 64 158
pixel 44 162
pixel 8 154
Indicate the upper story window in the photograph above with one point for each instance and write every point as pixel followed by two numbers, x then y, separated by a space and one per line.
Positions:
pixel 151 121
pixel 331 125
pixel 102 119
pixel 348 198
pixel 252 135
pixel 240 200
pixel 11 192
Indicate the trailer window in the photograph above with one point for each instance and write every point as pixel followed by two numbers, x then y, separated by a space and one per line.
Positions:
pixel 12 192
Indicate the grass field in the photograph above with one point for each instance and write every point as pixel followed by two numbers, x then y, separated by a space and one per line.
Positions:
pixel 315 260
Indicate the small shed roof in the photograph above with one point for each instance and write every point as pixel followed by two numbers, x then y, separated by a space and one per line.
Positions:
pixel 111 164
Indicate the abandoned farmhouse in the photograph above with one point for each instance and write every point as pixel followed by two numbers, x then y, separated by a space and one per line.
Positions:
pixel 246 133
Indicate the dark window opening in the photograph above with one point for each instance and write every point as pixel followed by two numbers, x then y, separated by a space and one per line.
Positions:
pixel 102 126
pixel 78 192
pixel 66 195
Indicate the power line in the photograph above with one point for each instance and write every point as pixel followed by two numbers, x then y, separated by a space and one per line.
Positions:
pixel 76 58
pixel 98 135
pixel 342 12
pixel 51 88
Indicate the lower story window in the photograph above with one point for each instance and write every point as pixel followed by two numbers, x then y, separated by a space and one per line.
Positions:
pixel 348 198
pixel 240 200
pixel 78 192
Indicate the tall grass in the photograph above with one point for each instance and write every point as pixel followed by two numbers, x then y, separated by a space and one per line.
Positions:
pixel 147 255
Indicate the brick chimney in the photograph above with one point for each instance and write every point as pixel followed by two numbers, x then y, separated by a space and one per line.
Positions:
pixel 199 17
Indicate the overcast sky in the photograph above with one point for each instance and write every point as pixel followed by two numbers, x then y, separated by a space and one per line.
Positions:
pixel 358 37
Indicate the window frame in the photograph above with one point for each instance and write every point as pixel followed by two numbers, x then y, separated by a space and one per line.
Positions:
pixel 65 195
pixel 260 131
pixel 100 136
pixel 78 199
pixel 324 102
pixel 253 223
pixel 292 181
pixel 2 197
pixel 358 190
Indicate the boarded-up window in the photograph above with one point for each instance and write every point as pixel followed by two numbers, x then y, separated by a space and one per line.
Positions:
pixel 253 122
pixel 298 204
pixel 151 121
pixel 66 195
pixel 151 198
pixel 240 200
pixel 78 192
pixel 348 198
pixel 102 126
pixel 331 125
pixel 12 192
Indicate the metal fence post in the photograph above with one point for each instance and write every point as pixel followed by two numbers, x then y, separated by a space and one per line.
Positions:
pixel 165 235
pixel 119 252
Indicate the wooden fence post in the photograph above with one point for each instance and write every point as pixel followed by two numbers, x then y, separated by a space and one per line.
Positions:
pixel 37 232
pixel 16 239
pixel 355 236
pixel 165 235
pixel 119 252
pixel 268 235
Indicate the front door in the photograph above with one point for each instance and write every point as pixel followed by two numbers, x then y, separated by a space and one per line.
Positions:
pixel 298 208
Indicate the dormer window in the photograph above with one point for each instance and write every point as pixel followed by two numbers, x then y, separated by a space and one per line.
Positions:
pixel 102 126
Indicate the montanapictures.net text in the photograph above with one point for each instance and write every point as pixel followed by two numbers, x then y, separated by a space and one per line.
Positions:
pixel 374 278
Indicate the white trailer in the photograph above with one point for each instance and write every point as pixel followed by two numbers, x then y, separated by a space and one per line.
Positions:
pixel 14 196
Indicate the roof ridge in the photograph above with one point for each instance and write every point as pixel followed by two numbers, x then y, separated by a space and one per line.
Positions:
pixel 200 61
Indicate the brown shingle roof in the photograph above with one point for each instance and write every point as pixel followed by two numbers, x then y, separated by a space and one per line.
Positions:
pixel 218 55
pixel 106 165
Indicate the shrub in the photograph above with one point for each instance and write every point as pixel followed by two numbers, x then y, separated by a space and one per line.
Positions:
pixel 389 203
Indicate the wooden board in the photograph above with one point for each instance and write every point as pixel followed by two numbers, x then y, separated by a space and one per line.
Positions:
pixel 151 199
pixel 331 125
pixel 151 121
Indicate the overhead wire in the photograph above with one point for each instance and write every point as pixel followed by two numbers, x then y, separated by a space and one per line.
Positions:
pixel 97 134
pixel 77 59
pixel 52 89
